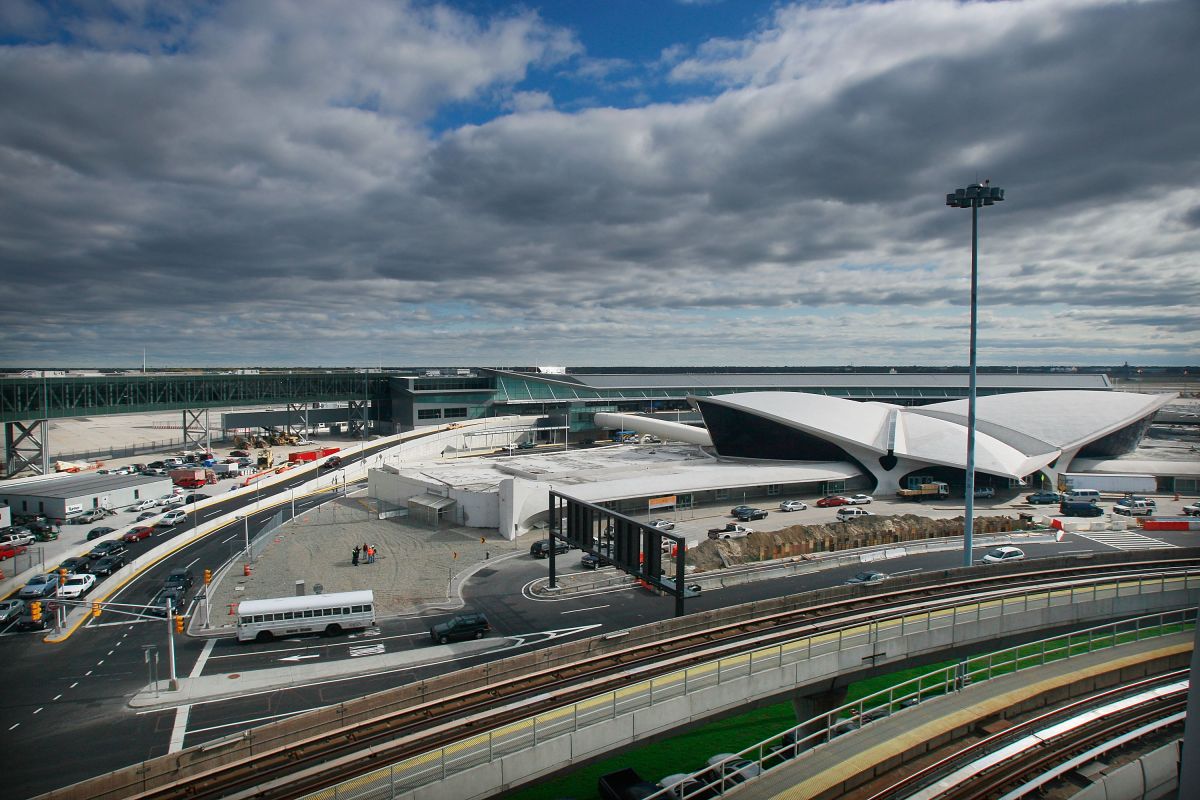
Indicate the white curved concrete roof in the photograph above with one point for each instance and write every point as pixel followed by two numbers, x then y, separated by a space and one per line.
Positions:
pixel 1017 434
pixel 1064 419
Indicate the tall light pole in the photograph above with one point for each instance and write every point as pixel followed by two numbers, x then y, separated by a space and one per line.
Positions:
pixel 972 197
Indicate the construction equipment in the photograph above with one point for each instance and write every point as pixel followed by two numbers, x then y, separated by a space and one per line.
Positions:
pixel 266 458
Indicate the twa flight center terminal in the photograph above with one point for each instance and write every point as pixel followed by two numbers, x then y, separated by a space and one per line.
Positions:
pixel 780 443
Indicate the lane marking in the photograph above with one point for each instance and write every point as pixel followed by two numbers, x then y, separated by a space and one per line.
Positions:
pixel 39 710
pixel 109 653
pixel 179 730
pixel 189 566
pixel 55 697
pixel 203 659
pixel 73 685
pixel 591 608
pixel 89 672
pixel 252 721
pixel 367 650
pixel 98 663
pixel 14 725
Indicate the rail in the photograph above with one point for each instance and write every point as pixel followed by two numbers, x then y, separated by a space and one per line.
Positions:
pixel 504 706
pixel 779 749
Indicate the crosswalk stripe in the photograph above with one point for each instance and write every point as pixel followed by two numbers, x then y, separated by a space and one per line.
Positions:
pixel 1126 540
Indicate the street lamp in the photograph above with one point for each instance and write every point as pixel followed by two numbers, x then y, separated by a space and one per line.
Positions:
pixel 972 197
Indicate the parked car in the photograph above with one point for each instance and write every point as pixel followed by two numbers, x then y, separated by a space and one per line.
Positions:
pixel 145 515
pixel 793 505
pixel 731 769
pixel 170 500
pixel 239 454
pixel 829 501
pixel 10 610
pixel 739 509
pixel 11 550
pixel 526 445
pixel 77 586
pixel 195 498
pixel 44 531
pixel 751 514
pixel 142 505
pixel 40 585
pixel 138 533
pixel 593 561
pixel 89 516
pixel 112 547
pixel 663 524
pixel 848 513
pixel 23 538
pixel 156 465
pixel 1043 498
pixel 96 533
pixel 1082 508
pixel 866 577
pixel 859 499
pixel 1001 555
pixel 1192 510
pixel 459 627
pixel 74 565
pixel 541 548
pixel 985 491
pixel 107 565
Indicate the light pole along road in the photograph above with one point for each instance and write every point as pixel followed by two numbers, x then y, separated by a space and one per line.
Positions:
pixel 972 197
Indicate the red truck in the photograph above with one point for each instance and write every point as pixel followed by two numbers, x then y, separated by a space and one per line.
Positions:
pixel 300 456
pixel 193 478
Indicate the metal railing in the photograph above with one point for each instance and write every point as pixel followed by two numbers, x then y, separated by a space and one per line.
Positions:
pixel 484 748
pixel 822 729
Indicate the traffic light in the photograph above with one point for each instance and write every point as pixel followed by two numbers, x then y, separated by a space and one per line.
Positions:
pixel 35 610
pixel 179 623
pixel 95 609
pixel 207 577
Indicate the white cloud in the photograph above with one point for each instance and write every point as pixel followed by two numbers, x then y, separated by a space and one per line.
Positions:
pixel 285 170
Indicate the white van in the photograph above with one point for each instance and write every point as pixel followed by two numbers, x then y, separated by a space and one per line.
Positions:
pixel 1083 496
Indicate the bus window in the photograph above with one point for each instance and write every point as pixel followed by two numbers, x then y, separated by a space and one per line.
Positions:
pixel 308 614
pixel 258 617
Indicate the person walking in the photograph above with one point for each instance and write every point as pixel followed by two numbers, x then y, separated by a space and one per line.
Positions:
pixel 354 557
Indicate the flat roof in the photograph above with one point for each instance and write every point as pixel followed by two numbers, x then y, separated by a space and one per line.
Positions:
pixel 884 380
pixel 75 484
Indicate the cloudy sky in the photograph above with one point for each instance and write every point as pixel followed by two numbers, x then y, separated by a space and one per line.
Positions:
pixel 597 182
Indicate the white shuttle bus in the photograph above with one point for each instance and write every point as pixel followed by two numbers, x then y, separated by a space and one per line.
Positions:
pixel 262 620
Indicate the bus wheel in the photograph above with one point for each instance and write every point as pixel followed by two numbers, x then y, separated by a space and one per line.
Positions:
pixel 263 636
pixel 333 630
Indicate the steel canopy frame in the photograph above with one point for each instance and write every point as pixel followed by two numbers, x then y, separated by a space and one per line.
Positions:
pixel 633 547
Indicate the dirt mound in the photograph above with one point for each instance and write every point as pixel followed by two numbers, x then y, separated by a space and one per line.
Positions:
pixel 863 532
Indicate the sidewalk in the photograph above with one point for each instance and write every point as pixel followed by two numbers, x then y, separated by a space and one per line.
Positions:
pixel 415 568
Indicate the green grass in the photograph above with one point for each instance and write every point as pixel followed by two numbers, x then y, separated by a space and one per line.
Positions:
pixel 689 751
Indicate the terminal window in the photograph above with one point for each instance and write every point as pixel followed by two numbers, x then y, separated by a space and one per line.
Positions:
pixel 429 413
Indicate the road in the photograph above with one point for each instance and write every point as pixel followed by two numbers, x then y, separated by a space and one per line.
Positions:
pixel 73 697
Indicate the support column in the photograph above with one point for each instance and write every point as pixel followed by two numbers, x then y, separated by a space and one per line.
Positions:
pixel 812 705
pixel 27 446
pixel 297 418
pixel 195 430
pixel 356 423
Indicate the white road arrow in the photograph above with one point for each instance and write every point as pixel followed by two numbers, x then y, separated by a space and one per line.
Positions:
pixel 298 658
pixel 545 636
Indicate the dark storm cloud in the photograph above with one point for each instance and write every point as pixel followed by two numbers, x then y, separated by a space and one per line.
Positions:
pixel 270 169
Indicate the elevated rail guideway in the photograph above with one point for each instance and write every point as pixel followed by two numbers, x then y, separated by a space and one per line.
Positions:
pixel 26 404
pixel 472 733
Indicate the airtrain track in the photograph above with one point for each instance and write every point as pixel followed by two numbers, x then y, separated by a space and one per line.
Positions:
pixel 1004 762
pixel 307 765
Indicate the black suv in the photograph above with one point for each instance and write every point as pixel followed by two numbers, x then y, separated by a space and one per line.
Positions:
pixel 112 547
pixel 460 627
pixel 75 565
pixel 593 561
pixel 179 578
pixel 168 595
pixel 541 548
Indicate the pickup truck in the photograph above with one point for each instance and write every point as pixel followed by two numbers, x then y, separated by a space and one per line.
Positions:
pixel 732 530
pixel 1192 510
